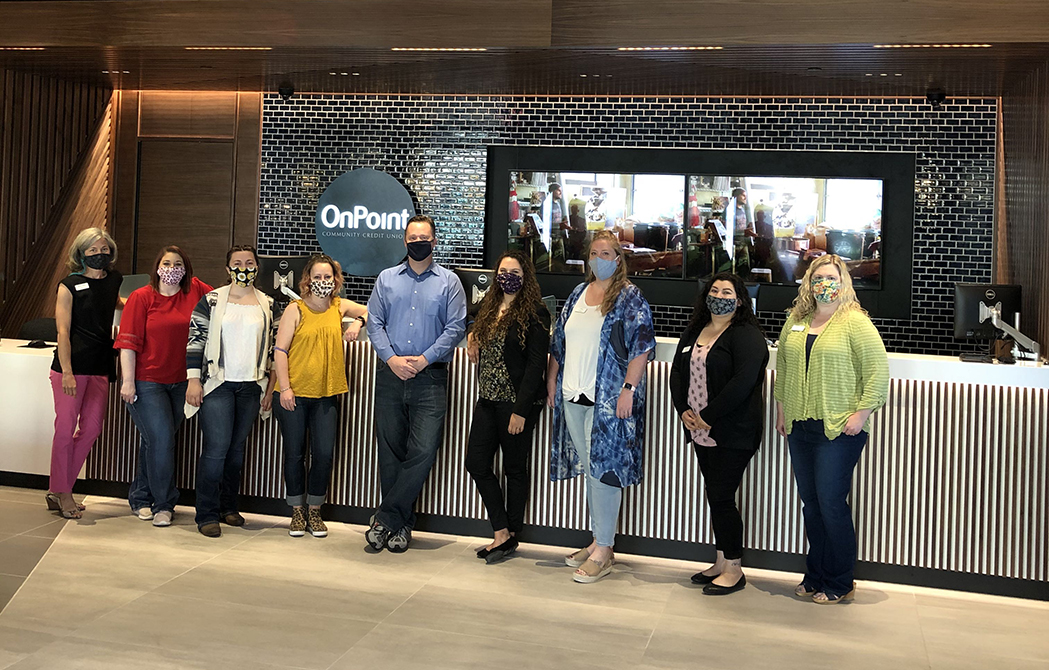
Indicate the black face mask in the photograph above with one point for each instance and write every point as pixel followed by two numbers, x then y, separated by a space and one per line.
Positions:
pixel 98 261
pixel 420 250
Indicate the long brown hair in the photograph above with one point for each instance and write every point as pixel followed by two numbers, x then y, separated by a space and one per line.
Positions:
pixel 521 310
pixel 805 305
pixel 619 279
pixel 187 280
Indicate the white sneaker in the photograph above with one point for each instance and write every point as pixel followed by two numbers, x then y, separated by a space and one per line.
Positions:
pixel 144 513
pixel 162 518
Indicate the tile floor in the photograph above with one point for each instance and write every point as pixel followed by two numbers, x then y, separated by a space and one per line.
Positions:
pixel 113 592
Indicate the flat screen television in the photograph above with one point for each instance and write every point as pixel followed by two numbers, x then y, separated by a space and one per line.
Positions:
pixel 683 215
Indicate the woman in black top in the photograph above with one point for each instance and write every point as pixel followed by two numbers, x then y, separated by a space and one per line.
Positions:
pixel 84 360
pixel 715 382
pixel 509 342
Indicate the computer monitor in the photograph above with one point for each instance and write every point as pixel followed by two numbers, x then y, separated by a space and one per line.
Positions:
pixel 967 300
pixel 476 282
pixel 753 290
pixel 274 268
pixel 132 283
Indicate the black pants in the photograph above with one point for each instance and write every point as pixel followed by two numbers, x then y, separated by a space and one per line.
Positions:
pixel 321 417
pixel 488 433
pixel 723 470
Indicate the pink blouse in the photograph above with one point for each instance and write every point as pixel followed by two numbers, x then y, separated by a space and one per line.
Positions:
pixel 697 391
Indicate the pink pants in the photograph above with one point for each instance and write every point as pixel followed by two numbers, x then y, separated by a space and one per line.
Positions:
pixel 78 423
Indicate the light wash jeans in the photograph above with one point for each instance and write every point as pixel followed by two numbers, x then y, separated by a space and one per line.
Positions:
pixel 602 499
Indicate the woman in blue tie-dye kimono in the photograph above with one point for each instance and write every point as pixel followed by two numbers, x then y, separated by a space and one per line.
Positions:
pixel 601 345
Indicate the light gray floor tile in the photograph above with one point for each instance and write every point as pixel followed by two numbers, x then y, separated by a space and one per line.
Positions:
pixel 19 554
pixel 230 633
pixel 9 585
pixel 515 618
pixel 17 517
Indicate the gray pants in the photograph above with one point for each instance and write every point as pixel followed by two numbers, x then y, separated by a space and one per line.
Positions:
pixel 602 499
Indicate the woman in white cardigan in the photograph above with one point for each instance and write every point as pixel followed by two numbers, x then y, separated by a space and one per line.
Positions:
pixel 228 362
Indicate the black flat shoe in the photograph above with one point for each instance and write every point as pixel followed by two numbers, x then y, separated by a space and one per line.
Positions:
pixel 717 590
pixel 483 552
pixel 502 551
pixel 700 578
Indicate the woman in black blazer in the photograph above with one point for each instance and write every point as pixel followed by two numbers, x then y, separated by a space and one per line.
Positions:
pixel 715 382
pixel 509 341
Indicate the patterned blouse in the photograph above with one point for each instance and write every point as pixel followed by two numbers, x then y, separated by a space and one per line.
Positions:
pixel 493 380
pixel 697 391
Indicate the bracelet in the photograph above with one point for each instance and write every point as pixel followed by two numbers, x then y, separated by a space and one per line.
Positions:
pixel 287 389
pixel 362 320
pixel 284 350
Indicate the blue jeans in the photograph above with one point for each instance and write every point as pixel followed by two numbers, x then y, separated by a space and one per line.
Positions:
pixel 823 471
pixel 157 413
pixel 409 423
pixel 227 415
pixel 602 499
pixel 321 417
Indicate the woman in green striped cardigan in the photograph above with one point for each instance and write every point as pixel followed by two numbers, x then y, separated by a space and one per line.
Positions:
pixel 831 374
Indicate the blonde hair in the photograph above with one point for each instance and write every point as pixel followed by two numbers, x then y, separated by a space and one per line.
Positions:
pixel 619 279
pixel 307 273
pixel 83 241
pixel 805 304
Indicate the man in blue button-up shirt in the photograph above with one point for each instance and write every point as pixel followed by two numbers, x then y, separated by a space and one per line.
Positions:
pixel 416 317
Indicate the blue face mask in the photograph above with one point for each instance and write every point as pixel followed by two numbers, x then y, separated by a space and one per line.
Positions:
pixel 602 267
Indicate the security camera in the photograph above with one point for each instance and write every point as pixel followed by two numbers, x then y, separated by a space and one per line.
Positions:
pixel 936 97
pixel 286 90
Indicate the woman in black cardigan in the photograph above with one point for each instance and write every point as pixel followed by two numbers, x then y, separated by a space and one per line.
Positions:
pixel 509 342
pixel 715 381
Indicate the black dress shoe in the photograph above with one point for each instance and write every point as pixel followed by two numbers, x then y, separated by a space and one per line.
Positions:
pixel 483 552
pixel 700 578
pixel 502 551
pixel 717 590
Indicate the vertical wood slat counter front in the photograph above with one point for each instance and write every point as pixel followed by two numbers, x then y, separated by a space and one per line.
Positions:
pixel 953 479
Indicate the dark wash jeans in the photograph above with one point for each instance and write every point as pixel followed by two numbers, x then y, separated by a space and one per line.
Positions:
pixel 823 471
pixel 409 424
pixel 227 415
pixel 158 414
pixel 321 417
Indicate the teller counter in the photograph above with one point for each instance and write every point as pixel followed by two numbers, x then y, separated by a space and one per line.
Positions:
pixel 951 490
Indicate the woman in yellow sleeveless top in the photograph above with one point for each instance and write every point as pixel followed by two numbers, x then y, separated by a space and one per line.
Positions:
pixel 311 374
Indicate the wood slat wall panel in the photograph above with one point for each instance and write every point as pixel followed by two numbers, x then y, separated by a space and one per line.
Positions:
pixel 954 476
pixel 1025 238
pixel 53 182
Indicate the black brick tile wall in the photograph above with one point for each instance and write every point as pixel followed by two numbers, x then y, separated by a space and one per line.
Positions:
pixel 436 146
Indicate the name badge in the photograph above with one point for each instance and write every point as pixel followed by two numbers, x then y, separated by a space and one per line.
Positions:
pixel 797 329
pixel 82 287
pixel 687 349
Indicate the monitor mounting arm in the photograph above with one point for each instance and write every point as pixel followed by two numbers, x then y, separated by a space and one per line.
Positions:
pixel 282 282
pixel 995 316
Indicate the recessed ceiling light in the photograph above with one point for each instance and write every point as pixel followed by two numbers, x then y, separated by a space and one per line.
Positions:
pixel 582 75
pixel 345 74
pixel 334 74
pixel 898 74
pixel 868 75
pixel 127 72
pixel 438 49
pixel 229 48
pixel 706 48
pixel 356 74
pixel 22 48
pixel 884 74
pixel 105 71
pixel 933 46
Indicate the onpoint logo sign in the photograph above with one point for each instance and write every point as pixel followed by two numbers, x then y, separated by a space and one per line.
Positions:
pixel 360 221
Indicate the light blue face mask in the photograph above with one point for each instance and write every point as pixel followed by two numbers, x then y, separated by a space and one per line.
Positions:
pixel 602 267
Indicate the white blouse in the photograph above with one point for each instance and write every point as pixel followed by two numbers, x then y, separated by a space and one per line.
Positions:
pixel 582 345
pixel 241 339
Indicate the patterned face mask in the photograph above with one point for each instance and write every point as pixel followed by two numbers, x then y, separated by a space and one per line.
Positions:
pixel 98 261
pixel 243 277
pixel 509 282
pixel 171 275
pixel 720 306
pixel 322 288
pixel 826 290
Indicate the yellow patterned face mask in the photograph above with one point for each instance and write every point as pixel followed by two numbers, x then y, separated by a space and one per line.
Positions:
pixel 243 277
pixel 826 290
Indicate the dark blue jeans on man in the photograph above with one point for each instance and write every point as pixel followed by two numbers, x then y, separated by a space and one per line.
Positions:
pixel 321 417
pixel 409 425
pixel 823 472
pixel 227 415
pixel 158 413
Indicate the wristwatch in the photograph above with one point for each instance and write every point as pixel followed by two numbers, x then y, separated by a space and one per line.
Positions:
pixel 628 386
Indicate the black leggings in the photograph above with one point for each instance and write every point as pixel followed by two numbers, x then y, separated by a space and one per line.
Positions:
pixel 487 434
pixel 723 470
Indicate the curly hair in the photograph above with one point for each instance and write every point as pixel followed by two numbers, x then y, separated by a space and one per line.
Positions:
pixel 619 279
pixel 805 304
pixel 521 311
pixel 744 311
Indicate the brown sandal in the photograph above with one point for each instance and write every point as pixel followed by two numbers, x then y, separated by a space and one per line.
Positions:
pixel 576 559
pixel 593 571
pixel 54 502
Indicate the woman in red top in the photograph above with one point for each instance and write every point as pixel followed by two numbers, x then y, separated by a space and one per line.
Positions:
pixel 152 341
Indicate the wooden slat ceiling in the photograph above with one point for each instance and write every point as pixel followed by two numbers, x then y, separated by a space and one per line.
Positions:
pixel 539 47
